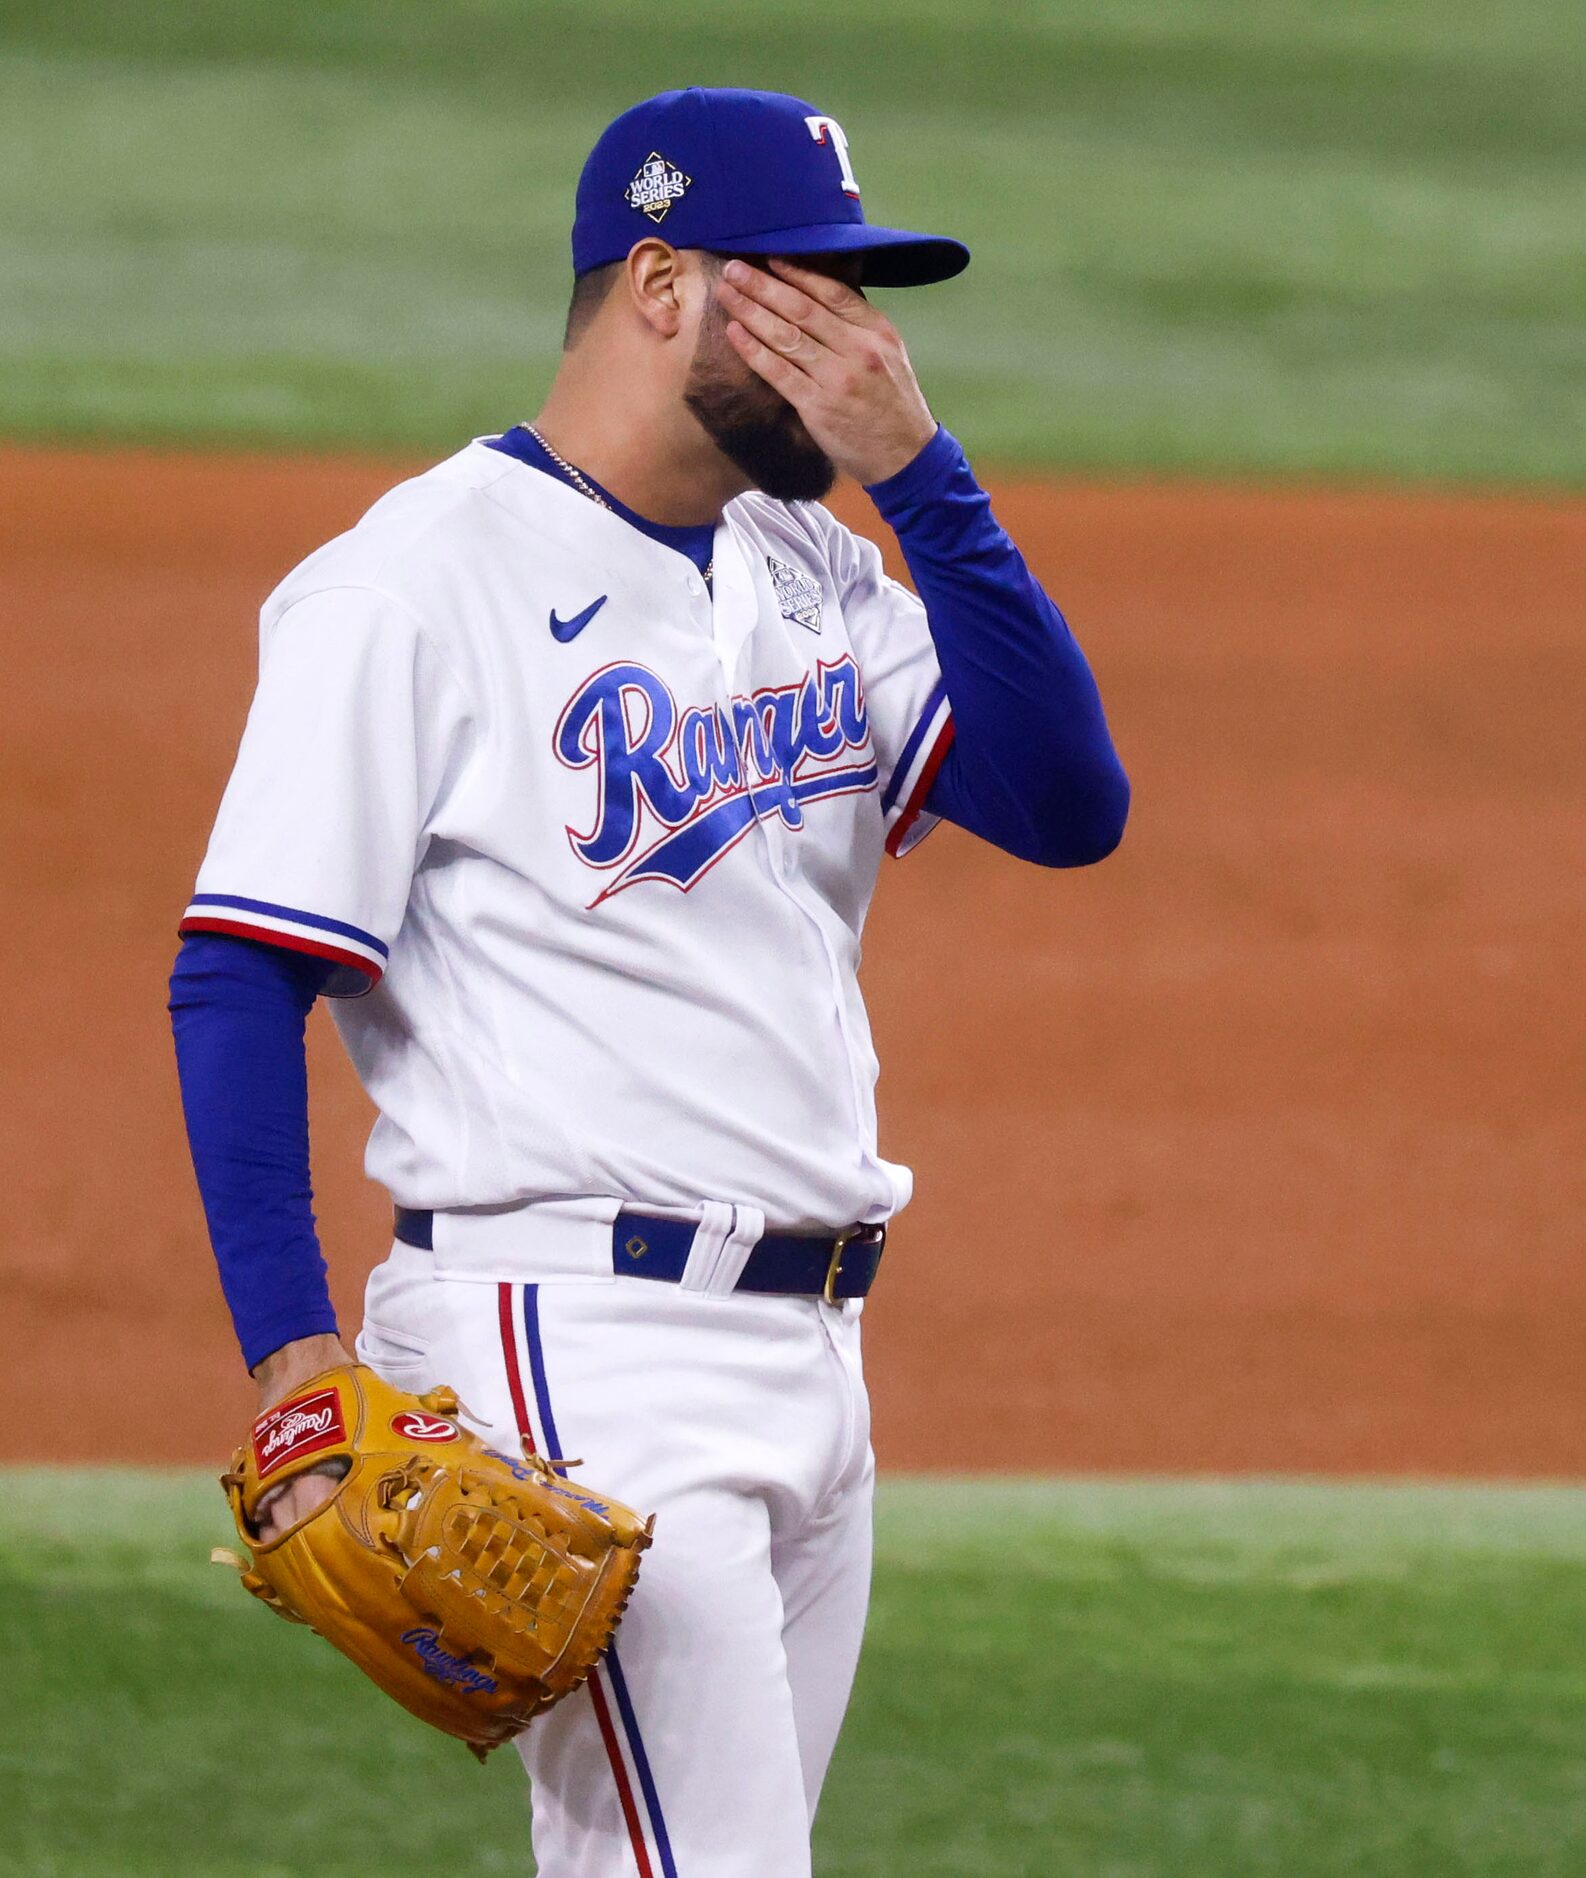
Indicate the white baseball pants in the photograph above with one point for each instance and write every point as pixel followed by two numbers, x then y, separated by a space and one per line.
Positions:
pixel 699 1747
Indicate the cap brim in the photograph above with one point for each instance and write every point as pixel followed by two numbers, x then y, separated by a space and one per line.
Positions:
pixel 892 257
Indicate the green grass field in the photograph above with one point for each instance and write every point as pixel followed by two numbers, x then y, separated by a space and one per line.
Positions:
pixel 1099 1680
pixel 1256 235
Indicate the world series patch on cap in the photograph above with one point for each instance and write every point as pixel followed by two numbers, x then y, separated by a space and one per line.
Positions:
pixel 656 187
pixel 741 172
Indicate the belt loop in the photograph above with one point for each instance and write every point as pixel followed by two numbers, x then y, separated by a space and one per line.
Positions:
pixel 748 1229
pixel 723 1240
pixel 710 1235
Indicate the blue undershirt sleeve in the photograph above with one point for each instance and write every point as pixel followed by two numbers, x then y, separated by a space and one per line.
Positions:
pixel 238 1012
pixel 1031 767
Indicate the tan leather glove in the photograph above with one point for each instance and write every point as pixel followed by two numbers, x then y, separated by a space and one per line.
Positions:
pixel 475 1588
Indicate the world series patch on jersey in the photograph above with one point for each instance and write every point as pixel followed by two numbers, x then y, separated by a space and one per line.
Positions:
pixel 604 839
pixel 797 594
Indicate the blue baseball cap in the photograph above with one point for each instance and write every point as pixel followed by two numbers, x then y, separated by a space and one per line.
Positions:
pixel 740 172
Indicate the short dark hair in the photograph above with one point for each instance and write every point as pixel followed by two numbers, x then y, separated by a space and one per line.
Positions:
pixel 589 293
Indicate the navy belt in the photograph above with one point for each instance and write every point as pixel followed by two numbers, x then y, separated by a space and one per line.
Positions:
pixel 781 1265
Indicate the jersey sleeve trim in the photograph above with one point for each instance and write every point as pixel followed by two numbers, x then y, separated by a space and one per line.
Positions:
pixel 913 823
pixel 296 931
pixel 929 718
pixel 903 800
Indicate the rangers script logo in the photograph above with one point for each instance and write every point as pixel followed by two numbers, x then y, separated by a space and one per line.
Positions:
pixel 292 1429
pixel 656 187
pixel 707 774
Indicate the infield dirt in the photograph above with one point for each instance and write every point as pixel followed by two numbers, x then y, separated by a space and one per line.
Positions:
pixel 1260 1146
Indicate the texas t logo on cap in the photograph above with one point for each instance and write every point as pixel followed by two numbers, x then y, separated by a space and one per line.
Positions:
pixel 741 172
pixel 824 129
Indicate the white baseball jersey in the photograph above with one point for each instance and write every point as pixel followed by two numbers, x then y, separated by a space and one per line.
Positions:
pixel 597 841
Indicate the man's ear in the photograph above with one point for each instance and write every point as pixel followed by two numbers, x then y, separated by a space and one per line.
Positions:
pixel 653 273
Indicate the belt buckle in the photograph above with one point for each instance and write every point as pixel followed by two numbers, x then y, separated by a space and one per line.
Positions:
pixel 834 1270
pixel 840 1245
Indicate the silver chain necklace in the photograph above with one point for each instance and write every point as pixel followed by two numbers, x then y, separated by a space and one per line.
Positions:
pixel 585 487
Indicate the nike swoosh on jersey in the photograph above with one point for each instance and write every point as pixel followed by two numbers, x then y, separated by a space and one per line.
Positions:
pixel 565 629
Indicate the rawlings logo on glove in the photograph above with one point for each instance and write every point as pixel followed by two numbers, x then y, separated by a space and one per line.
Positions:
pixel 475 1589
pixel 442 1665
pixel 303 1425
pixel 415 1427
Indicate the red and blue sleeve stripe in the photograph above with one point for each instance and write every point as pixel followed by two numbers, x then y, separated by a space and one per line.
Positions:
pixel 291 928
pixel 924 750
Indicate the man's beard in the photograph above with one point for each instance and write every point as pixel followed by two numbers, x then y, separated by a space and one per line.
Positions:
pixel 752 425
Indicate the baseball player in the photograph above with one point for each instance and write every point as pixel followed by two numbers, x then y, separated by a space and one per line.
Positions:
pixel 568 778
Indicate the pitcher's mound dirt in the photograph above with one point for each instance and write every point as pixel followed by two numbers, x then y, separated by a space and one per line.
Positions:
pixel 1260 1146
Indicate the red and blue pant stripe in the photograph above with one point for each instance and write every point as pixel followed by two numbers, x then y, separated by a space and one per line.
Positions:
pixel 624 1726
